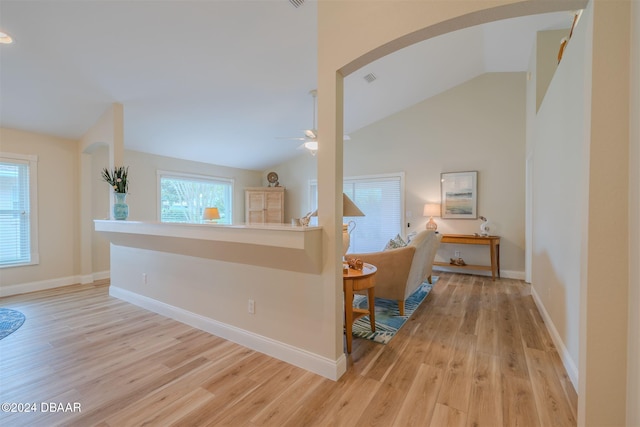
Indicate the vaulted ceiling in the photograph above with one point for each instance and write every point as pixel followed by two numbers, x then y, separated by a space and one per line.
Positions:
pixel 218 81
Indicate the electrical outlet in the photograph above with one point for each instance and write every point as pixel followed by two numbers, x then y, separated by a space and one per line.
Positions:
pixel 252 306
pixel 144 279
pixel 457 254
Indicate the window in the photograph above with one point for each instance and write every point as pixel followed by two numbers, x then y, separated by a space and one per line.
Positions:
pixel 184 197
pixel 18 220
pixel 380 198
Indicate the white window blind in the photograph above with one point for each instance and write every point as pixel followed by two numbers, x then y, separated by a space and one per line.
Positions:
pixel 380 198
pixel 17 211
pixel 183 197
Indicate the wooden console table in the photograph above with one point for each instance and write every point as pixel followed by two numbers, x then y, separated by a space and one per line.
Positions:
pixel 470 239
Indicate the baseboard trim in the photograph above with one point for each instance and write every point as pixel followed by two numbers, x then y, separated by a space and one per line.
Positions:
pixel 506 274
pixel 296 356
pixel 43 285
pixel 567 361
pixel 101 275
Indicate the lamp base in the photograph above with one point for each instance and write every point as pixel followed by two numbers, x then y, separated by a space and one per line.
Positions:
pixel 346 239
pixel 431 225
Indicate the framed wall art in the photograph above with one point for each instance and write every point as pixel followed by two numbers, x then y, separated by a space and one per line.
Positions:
pixel 459 192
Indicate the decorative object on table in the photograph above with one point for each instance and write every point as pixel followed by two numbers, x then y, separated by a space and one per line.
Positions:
pixel 305 220
pixel 388 319
pixel 211 215
pixel 355 264
pixel 457 261
pixel 10 321
pixel 431 210
pixel 459 192
pixel 117 178
pixel 484 227
pixel 348 209
pixel 272 177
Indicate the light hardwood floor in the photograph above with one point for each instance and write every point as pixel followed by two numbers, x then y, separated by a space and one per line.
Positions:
pixel 475 353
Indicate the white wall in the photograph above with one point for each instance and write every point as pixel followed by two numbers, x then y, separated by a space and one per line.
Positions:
pixel 295 176
pixel 582 231
pixel 100 209
pixel 143 198
pixel 213 295
pixel 478 125
pixel 58 202
pixel 560 187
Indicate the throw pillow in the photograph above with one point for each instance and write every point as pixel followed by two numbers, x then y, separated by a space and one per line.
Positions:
pixel 396 242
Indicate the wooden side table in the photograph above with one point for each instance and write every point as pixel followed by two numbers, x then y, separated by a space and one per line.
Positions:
pixel 471 239
pixel 358 280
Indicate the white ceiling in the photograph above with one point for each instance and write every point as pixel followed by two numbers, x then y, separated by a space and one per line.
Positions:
pixel 218 81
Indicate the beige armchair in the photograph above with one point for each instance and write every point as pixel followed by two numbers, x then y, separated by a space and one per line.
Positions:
pixel 402 270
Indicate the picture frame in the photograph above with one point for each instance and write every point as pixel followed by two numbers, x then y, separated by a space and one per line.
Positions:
pixel 459 195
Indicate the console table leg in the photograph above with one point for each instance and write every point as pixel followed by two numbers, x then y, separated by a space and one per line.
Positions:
pixel 493 262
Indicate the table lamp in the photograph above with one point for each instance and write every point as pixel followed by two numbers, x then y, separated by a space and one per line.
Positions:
pixel 348 209
pixel 431 210
pixel 211 215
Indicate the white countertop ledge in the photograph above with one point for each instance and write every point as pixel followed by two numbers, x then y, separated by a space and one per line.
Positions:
pixel 280 246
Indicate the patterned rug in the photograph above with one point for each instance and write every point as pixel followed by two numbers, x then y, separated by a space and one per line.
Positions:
pixel 388 319
pixel 10 321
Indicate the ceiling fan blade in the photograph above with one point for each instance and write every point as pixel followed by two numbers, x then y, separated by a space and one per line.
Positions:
pixel 292 138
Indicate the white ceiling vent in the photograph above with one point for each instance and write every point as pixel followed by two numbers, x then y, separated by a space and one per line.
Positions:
pixel 370 78
pixel 296 3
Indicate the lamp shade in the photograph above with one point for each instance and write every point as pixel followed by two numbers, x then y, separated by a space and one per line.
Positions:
pixel 210 214
pixel 431 209
pixel 349 208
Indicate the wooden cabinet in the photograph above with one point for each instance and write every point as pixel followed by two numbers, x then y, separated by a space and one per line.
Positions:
pixel 264 205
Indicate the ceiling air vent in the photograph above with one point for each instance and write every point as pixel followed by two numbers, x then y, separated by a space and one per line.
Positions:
pixel 370 78
pixel 296 3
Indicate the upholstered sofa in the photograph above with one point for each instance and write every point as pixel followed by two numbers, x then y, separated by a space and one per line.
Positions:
pixel 402 270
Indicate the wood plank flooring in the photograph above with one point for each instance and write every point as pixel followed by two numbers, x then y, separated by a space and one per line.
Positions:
pixel 475 353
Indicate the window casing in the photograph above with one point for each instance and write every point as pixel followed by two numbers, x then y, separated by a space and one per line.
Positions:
pixel 381 199
pixel 183 197
pixel 18 210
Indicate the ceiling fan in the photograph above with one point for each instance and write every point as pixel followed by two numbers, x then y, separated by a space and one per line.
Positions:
pixel 310 137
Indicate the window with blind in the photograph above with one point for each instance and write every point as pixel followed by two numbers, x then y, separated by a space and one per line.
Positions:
pixel 381 199
pixel 183 197
pixel 18 233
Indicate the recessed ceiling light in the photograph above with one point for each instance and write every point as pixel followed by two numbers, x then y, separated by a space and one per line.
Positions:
pixel 5 38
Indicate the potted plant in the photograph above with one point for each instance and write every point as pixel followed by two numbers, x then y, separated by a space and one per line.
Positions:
pixel 117 178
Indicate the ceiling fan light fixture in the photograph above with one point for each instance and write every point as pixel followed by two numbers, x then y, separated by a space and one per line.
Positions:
pixel 5 38
pixel 312 146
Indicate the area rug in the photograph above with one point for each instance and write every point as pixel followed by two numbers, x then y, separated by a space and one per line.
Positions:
pixel 388 319
pixel 10 321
